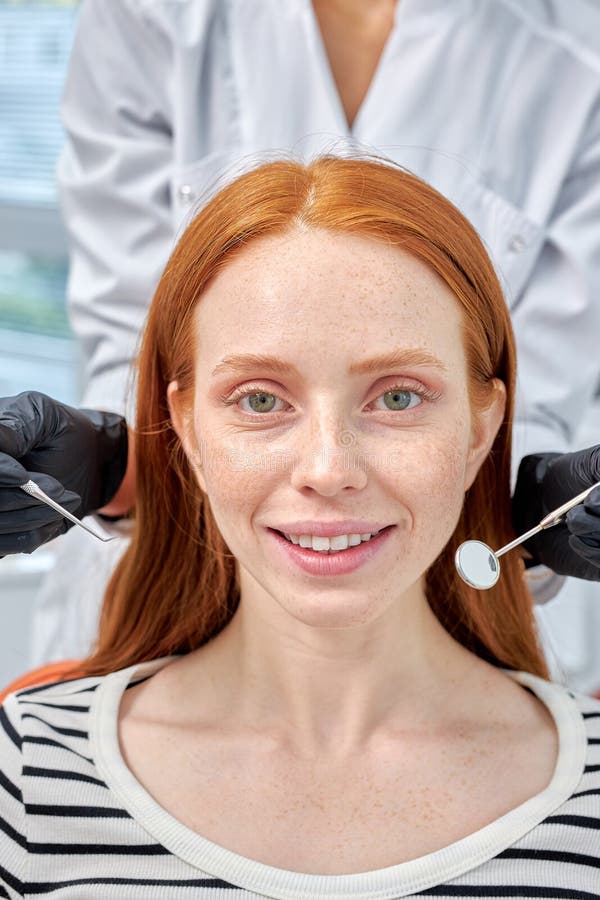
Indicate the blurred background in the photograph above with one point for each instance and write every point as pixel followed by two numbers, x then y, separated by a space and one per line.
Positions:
pixel 36 347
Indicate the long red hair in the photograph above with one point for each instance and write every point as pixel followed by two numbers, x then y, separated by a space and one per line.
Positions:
pixel 176 585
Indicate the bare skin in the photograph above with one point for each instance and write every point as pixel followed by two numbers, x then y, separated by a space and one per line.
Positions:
pixel 124 500
pixel 334 710
pixel 408 789
pixel 354 35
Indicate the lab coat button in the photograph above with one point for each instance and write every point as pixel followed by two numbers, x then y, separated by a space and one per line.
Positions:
pixel 516 243
pixel 185 193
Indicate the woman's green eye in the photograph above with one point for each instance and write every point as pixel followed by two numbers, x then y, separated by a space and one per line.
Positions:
pixel 261 402
pixel 395 400
pixel 398 400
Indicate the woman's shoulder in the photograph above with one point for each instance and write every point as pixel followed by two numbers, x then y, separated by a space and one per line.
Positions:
pixel 577 719
pixel 52 786
pixel 52 715
pixel 589 710
pixel 562 697
pixel 570 709
pixel 61 706
pixel 51 692
pixel 588 704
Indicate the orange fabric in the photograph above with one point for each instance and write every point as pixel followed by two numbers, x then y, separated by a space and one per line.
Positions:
pixel 50 672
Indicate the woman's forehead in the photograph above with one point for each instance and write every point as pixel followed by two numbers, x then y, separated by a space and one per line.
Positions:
pixel 334 294
pixel 320 259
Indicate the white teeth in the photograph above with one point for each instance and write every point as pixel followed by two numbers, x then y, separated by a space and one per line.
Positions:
pixel 334 544
pixel 321 543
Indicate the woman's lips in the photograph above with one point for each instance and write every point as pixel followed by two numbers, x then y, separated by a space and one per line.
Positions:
pixel 340 562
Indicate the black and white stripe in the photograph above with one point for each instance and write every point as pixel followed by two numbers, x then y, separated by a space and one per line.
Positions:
pixel 64 832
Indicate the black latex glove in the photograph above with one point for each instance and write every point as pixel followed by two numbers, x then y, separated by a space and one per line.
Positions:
pixel 78 457
pixel 545 481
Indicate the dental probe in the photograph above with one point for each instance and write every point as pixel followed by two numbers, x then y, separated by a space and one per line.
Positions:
pixel 31 488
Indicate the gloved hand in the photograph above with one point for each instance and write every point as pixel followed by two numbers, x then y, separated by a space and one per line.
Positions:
pixel 544 482
pixel 78 457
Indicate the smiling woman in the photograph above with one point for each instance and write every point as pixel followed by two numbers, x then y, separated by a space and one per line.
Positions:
pixel 293 694
pixel 333 264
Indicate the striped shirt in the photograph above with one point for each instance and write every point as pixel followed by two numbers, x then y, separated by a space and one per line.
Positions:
pixel 75 822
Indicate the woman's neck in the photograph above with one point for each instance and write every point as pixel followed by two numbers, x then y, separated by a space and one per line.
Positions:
pixel 332 690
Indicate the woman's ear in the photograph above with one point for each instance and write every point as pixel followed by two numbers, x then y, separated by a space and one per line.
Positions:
pixel 485 423
pixel 183 425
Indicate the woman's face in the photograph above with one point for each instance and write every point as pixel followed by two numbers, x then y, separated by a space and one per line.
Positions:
pixel 331 398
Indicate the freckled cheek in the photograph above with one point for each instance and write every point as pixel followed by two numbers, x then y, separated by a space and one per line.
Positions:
pixel 429 482
pixel 237 480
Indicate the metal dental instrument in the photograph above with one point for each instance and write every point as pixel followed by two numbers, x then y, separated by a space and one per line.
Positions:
pixel 30 487
pixel 479 565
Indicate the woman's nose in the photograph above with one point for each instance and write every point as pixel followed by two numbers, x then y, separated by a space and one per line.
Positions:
pixel 330 462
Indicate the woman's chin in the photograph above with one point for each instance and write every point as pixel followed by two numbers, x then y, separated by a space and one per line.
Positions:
pixel 337 610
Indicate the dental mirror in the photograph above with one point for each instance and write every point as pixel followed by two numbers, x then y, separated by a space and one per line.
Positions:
pixel 479 565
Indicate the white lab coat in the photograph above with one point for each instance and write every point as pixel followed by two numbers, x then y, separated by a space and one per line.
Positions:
pixel 495 103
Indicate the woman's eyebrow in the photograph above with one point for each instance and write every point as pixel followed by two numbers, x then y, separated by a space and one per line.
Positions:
pixel 249 362
pixel 397 359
